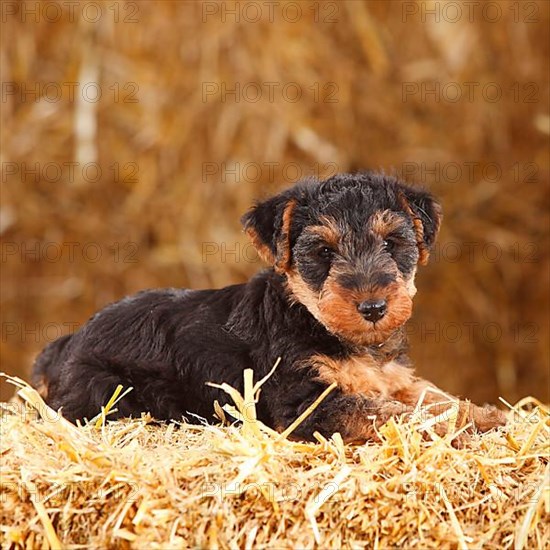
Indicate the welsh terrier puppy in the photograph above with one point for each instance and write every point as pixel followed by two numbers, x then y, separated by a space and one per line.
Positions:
pixel 332 306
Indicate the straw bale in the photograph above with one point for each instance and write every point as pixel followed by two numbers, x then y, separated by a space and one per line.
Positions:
pixel 134 484
pixel 360 55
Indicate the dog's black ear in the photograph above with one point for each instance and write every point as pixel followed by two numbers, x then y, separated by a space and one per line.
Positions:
pixel 426 214
pixel 268 224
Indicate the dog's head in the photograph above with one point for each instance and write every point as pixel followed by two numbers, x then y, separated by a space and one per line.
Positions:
pixel 349 248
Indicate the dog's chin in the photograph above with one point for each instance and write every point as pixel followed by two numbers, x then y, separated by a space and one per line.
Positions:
pixel 366 333
pixel 373 337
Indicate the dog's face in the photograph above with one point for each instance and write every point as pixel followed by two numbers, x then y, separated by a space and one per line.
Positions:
pixel 349 248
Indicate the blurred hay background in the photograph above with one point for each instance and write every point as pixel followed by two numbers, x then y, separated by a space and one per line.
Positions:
pixel 180 161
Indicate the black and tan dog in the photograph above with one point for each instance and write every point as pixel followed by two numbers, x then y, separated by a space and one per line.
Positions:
pixel 333 307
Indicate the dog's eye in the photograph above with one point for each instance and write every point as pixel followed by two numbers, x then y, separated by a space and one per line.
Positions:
pixel 389 245
pixel 325 253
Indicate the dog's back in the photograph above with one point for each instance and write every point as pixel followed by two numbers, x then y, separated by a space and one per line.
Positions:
pixel 46 366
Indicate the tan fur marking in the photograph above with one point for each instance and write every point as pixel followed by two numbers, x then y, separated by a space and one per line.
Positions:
pixel 395 390
pixel 385 222
pixel 360 429
pixel 42 387
pixel 263 250
pixel 423 252
pixel 283 245
pixel 362 375
pixel 412 393
pixel 328 232
pixel 409 284
pixel 338 311
pixel 303 294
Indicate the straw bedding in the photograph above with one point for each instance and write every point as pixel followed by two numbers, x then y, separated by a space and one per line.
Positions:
pixel 154 228
pixel 135 484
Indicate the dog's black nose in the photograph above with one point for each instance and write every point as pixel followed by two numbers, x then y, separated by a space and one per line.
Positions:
pixel 372 310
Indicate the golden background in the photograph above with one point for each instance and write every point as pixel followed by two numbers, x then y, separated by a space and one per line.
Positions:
pixel 206 106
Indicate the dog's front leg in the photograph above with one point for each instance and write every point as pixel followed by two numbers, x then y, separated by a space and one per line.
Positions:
pixel 437 402
pixel 356 418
